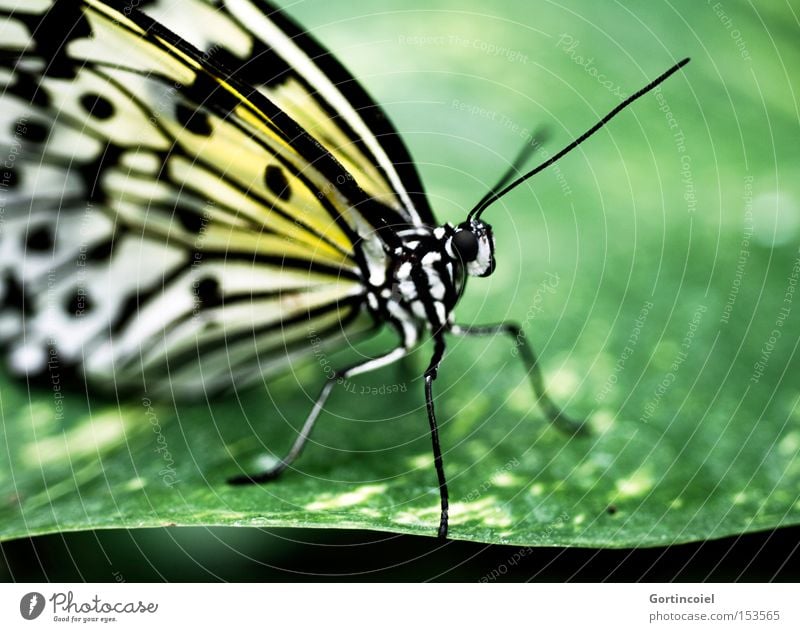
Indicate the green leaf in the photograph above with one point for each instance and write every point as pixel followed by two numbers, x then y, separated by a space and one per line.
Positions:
pixel 654 270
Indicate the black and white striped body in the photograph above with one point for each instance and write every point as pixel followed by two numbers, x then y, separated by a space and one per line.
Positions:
pixel 415 284
pixel 421 288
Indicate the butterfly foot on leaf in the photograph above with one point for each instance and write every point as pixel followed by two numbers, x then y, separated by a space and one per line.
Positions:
pixel 255 479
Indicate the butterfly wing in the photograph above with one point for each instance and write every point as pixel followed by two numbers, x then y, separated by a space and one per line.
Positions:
pixel 160 217
pixel 266 49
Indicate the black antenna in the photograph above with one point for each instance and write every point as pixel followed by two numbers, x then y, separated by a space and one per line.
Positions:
pixel 532 143
pixel 494 195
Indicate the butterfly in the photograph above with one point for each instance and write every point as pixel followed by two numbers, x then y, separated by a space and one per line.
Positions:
pixel 190 190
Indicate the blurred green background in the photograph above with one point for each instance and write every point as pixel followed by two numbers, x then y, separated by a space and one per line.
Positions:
pixel 651 269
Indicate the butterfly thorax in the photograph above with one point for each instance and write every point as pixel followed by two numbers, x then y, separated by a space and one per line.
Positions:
pixel 425 277
pixel 420 288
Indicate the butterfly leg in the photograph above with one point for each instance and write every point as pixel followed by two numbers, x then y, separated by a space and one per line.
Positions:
pixel 430 376
pixel 308 426
pixel 556 416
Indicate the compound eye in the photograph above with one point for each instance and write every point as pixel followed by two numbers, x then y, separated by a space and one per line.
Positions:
pixel 465 244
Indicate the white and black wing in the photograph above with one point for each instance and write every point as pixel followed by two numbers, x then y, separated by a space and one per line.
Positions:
pixel 161 220
pixel 265 48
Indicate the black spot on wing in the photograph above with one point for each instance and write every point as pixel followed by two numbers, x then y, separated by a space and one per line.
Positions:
pixel 9 179
pixel 195 121
pixel 276 182
pixel 97 106
pixel 101 252
pixel 40 239
pixel 190 219
pixel 79 303
pixel 208 292
pixel 32 131
pixel 15 297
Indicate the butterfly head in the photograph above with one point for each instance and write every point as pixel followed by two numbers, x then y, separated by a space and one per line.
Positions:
pixel 471 243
